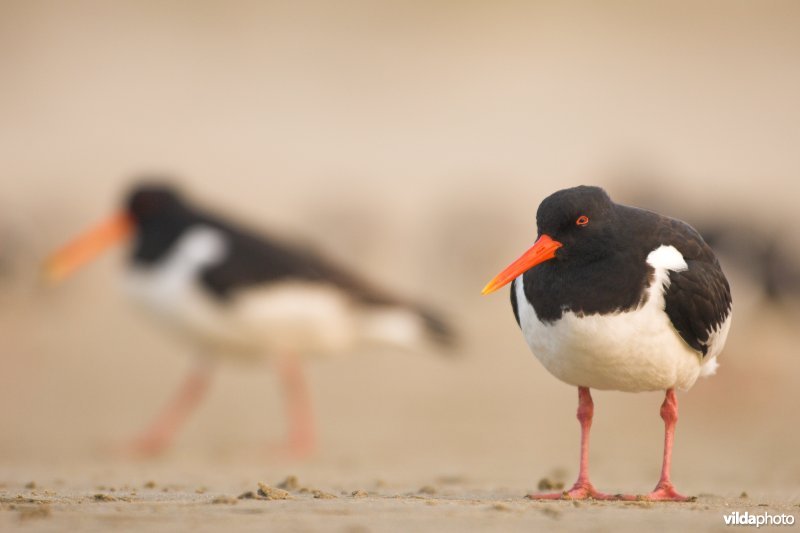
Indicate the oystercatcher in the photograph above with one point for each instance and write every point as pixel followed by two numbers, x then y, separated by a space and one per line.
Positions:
pixel 614 297
pixel 236 292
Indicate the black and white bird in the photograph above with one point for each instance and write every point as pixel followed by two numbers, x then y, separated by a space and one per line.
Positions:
pixel 613 297
pixel 237 293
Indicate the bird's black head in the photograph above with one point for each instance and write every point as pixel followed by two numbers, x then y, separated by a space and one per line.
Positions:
pixel 575 226
pixel 160 216
pixel 154 203
pixel 580 219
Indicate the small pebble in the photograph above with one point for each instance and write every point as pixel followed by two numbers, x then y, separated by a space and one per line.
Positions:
pixel 359 494
pixel 269 493
pixel 320 495
pixel 549 484
pixel 290 483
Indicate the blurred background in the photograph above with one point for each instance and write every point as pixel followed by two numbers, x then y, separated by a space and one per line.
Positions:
pixel 413 143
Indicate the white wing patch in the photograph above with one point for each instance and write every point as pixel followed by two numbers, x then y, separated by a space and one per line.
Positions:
pixel 667 258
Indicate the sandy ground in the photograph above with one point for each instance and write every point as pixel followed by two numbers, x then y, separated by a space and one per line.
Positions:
pixel 411 142
pixel 448 504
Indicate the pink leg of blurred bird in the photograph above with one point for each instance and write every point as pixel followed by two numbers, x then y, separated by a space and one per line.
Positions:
pixel 301 440
pixel 665 491
pixel 161 432
pixel 582 489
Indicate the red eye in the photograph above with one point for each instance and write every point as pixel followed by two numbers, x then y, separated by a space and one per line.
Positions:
pixel 582 220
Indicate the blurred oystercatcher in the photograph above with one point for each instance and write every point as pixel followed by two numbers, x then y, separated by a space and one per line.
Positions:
pixel 613 297
pixel 238 293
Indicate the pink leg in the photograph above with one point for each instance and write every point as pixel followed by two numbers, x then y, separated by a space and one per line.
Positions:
pixel 582 489
pixel 301 440
pixel 161 432
pixel 665 491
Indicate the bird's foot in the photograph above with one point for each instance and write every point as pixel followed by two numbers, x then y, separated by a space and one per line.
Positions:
pixel 664 492
pixel 582 490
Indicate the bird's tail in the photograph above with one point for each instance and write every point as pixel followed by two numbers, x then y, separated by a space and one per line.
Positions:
pixel 437 329
pixel 407 326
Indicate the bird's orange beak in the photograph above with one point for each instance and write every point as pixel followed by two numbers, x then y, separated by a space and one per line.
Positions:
pixel 543 250
pixel 86 247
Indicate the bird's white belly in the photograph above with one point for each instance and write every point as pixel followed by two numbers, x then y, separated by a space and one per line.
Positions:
pixel 631 351
pixel 291 316
pixel 278 318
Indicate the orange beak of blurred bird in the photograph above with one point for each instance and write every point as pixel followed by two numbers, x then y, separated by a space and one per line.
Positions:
pixel 238 293
pixel 613 297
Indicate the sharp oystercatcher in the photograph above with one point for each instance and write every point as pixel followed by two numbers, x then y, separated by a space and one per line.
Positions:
pixel 240 293
pixel 613 297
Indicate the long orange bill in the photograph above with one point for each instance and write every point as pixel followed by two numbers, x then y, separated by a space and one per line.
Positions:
pixel 544 250
pixel 86 247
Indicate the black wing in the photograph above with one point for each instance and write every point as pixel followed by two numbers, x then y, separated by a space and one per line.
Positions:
pixel 253 260
pixel 698 300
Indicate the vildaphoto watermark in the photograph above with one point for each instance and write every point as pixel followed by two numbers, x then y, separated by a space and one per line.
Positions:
pixel 762 519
